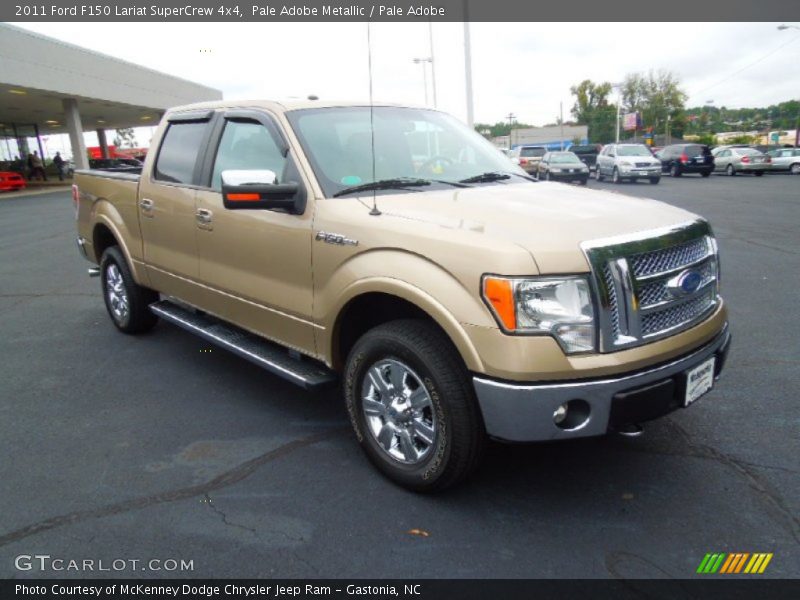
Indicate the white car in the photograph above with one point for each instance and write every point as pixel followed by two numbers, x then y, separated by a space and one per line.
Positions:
pixel 628 162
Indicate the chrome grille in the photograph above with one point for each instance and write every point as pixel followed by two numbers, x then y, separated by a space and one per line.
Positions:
pixel 612 292
pixel 659 261
pixel 657 291
pixel 653 285
pixel 676 314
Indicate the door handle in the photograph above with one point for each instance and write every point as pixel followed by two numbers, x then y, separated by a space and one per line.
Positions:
pixel 146 204
pixel 204 215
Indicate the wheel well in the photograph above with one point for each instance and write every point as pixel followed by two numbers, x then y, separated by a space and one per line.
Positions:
pixel 363 313
pixel 102 238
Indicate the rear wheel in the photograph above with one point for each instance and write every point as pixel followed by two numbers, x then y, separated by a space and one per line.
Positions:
pixel 705 173
pixel 730 170
pixel 412 405
pixel 795 169
pixel 758 173
pixel 126 301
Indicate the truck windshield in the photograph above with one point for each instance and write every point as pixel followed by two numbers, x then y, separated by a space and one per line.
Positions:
pixel 409 143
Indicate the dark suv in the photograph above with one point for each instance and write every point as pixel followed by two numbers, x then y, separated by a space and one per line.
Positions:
pixel 587 153
pixel 678 159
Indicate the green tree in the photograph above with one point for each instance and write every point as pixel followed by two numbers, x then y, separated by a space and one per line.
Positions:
pixel 125 138
pixel 656 96
pixel 592 109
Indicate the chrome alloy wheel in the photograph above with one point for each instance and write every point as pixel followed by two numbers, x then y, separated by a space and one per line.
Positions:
pixel 116 293
pixel 398 411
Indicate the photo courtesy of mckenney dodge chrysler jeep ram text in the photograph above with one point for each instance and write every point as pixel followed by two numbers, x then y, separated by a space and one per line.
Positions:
pixel 395 251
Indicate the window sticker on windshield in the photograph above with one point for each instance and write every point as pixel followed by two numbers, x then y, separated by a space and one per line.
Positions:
pixel 350 180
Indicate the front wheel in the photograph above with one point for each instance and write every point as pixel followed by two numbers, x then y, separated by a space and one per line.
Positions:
pixel 126 301
pixel 615 178
pixel 655 180
pixel 599 176
pixel 412 405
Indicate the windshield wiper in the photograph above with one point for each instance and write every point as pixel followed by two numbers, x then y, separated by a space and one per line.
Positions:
pixel 494 176
pixel 397 183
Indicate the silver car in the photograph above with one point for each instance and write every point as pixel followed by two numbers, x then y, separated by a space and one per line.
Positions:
pixel 628 162
pixel 785 159
pixel 742 160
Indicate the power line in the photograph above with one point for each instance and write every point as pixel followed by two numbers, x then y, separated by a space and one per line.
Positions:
pixel 735 73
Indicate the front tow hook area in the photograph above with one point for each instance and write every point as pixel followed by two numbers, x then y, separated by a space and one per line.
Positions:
pixel 629 430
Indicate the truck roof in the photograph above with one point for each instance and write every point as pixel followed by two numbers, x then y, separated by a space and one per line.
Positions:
pixel 284 105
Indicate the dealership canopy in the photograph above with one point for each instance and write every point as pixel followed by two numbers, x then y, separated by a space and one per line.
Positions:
pixel 51 87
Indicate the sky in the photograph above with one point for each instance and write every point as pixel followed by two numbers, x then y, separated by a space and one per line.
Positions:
pixel 521 68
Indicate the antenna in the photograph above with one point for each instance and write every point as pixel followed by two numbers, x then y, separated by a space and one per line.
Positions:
pixel 374 212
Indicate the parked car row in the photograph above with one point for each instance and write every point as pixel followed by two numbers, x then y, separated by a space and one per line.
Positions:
pixel 629 162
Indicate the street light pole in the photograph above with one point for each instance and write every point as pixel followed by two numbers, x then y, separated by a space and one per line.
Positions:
pixel 422 61
pixel 433 68
pixel 511 117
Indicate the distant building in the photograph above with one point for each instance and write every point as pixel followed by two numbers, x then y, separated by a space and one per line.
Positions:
pixel 551 137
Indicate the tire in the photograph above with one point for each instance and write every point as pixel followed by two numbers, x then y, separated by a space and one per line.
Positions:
pixel 428 448
pixel 795 169
pixel 615 178
pixel 547 176
pixel 599 176
pixel 126 301
pixel 730 170
pixel 675 171
pixel 705 173
pixel 583 181
pixel 655 180
pixel 759 173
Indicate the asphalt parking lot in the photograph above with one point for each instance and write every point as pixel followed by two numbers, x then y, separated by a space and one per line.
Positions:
pixel 161 447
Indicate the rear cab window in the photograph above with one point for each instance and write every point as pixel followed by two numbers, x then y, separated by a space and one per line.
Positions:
pixel 177 156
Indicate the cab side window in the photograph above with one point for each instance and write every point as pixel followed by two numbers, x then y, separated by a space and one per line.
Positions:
pixel 247 145
pixel 178 153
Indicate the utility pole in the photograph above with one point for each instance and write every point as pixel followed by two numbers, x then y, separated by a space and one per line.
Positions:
pixel 618 87
pixel 561 122
pixel 433 64
pixel 468 69
pixel 511 118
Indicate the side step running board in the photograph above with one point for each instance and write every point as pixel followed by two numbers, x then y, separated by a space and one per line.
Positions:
pixel 276 359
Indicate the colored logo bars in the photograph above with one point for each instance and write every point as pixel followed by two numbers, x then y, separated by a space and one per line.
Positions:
pixel 735 563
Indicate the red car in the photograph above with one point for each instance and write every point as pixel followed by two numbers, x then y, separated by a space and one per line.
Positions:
pixel 10 181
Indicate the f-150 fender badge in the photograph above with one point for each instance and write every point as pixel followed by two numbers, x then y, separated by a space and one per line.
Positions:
pixel 335 238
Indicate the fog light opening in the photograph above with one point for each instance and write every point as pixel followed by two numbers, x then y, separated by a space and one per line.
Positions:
pixel 572 415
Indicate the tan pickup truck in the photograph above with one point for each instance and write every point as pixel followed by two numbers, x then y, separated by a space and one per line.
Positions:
pixel 394 250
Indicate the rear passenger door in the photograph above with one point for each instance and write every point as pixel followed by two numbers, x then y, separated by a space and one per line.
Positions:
pixel 167 191
pixel 255 263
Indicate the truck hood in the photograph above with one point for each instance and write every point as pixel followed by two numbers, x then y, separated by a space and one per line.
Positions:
pixel 550 220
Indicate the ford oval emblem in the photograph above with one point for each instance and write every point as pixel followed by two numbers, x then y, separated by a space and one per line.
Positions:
pixel 686 283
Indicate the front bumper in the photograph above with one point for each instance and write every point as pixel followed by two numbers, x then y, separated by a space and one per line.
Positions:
pixel 639 171
pixel 524 412
pixel 561 176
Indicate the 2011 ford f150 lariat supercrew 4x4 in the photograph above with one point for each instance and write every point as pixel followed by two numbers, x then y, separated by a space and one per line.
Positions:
pixel 394 250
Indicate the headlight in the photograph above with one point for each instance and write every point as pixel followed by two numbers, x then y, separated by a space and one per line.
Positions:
pixel 557 306
pixel 626 163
